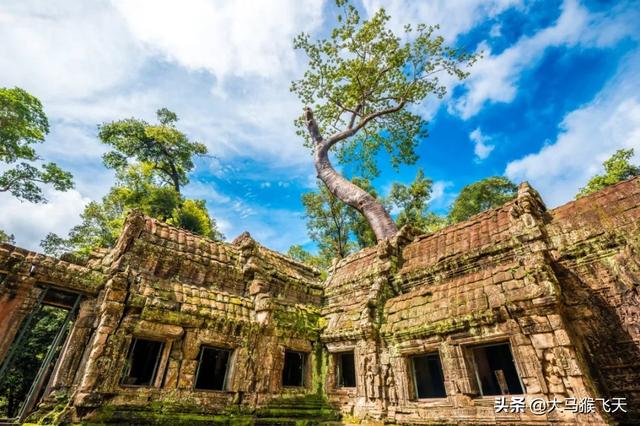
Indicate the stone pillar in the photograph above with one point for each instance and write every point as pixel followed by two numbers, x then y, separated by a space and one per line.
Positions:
pixel 68 364
pixel 98 373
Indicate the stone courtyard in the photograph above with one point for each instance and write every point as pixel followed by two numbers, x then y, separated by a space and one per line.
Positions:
pixel 171 328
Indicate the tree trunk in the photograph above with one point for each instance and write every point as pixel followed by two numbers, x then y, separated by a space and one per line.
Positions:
pixel 379 219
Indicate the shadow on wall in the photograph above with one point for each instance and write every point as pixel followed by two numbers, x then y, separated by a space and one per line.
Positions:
pixel 612 355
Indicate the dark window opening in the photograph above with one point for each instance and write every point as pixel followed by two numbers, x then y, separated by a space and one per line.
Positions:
pixel 346 370
pixel 428 377
pixel 59 299
pixel 293 370
pixel 142 362
pixel 212 369
pixel 496 370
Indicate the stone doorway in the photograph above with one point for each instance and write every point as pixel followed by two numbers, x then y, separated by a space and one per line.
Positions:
pixel 31 358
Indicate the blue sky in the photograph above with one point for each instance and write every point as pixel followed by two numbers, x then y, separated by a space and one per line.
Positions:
pixel 556 93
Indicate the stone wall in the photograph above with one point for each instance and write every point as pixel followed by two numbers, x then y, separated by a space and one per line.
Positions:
pixel 486 280
pixel 559 287
pixel 172 286
pixel 595 246
pixel 20 272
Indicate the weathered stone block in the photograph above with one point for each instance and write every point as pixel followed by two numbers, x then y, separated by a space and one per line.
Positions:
pixel 543 340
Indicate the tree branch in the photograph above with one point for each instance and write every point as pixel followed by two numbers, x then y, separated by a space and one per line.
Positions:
pixel 11 184
pixel 312 126
pixel 355 114
pixel 353 130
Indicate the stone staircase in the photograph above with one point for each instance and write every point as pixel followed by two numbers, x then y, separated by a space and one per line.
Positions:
pixel 307 410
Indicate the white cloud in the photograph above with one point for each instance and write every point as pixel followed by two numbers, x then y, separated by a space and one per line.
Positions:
pixel 587 137
pixel 98 61
pixel 481 148
pixel 65 49
pixel 494 78
pixel 108 106
pixel 257 123
pixel 31 222
pixel 106 60
pixel 455 17
pixel 441 198
pixel 227 38
pixel 72 142
pixel 205 190
pixel 224 226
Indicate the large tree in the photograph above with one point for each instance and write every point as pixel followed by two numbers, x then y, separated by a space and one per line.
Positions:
pixel 24 124
pixel 362 233
pixel 334 226
pixel 482 195
pixel 167 150
pixel 616 169
pixel 338 228
pixel 152 163
pixel 357 89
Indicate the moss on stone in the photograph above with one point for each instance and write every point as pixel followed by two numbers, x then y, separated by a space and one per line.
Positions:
pixel 165 414
pixel 299 320
pixel 170 317
pixel 449 325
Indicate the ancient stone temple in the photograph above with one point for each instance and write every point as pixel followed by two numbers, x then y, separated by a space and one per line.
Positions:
pixel 517 304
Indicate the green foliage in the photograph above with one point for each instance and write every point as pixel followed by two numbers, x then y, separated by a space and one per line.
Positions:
pixel 193 216
pixel 297 252
pixel 167 151
pixel 338 229
pixel 360 79
pixel 151 164
pixel 616 169
pixel 23 181
pixel 135 189
pixel 7 238
pixel 101 224
pixel 27 361
pixel 327 224
pixel 23 124
pixel 413 202
pixel 480 196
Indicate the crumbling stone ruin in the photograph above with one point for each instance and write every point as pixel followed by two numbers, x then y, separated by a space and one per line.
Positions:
pixel 171 328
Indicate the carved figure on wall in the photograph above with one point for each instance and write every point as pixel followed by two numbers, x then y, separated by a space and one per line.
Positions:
pixel 555 371
pixel 377 381
pixel 630 311
pixel 390 384
pixel 362 368
pixel 370 378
